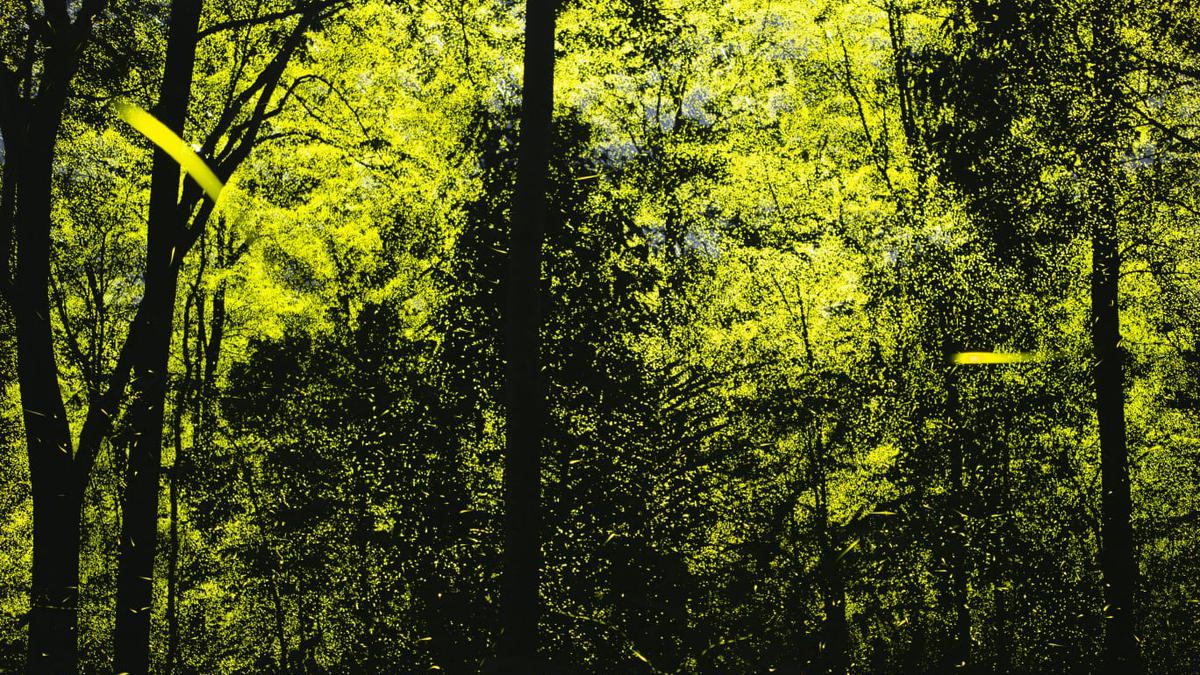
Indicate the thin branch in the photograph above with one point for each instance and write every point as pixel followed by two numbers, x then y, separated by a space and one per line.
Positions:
pixel 346 102
pixel 98 423
pixel 89 375
pixel 259 20
pixel 263 86
pixel 1189 143
pixel 87 12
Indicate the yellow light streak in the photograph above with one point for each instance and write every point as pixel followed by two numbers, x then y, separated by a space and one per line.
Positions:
pixel 173 145
pixel 977 358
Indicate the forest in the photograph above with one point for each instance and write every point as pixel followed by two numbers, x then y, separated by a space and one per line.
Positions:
pixel 600 336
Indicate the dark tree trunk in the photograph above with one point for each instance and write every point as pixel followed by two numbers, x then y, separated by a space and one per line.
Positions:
pixel 1117 564
pixel 175 476
pixel 135 570
pixel 56 504
pixel 958 657
pixel 833 589
pixel 173 570
pixel 57 501
pixel 525 397
pixel 56 483
pixel 55 590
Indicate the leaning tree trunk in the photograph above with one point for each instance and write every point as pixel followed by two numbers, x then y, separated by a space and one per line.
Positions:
pixel 525 396
pixel 135 571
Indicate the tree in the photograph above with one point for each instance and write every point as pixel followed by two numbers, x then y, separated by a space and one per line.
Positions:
pixel 1102 139
pixel 164 241
pixel 525 399
pixel 766 229
pixel 35 81
pixel 175 222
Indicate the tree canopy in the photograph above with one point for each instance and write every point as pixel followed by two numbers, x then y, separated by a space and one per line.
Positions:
pixel 618 337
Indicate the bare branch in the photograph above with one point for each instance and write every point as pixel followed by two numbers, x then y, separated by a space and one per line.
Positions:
pixel 268 78
pixel 247 132
pixel 98 424
pixel 72 335
pixel 264 18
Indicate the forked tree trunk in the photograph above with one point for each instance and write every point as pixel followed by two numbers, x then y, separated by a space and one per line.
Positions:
pixel 56 484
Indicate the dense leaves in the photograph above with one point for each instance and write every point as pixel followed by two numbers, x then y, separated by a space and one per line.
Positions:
pixel 770 227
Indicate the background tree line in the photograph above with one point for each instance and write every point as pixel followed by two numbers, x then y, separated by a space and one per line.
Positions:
pixel 601 337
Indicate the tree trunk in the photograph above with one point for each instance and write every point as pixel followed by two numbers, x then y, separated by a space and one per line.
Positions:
pixel 54 594
pixel 56 505
pixel 523 383
pixel 959 655
pixel 135 570
pixel 56 487
pixel 836 631
pixel 175 475
pixel 173 573
pixel 1117 564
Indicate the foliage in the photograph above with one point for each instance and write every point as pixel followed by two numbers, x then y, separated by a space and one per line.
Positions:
pixel 771 227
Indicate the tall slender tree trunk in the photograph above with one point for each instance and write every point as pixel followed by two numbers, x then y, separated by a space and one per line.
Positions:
pixel 173 571
pixel 960 652
pixel 524 392
pixel 135 570
pixel 833 589
pixel 174 476
pixel 1117 564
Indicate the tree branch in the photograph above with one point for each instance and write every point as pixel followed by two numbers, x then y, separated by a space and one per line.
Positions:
pixel 72 336
pixel 265 18
pixel 98 423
